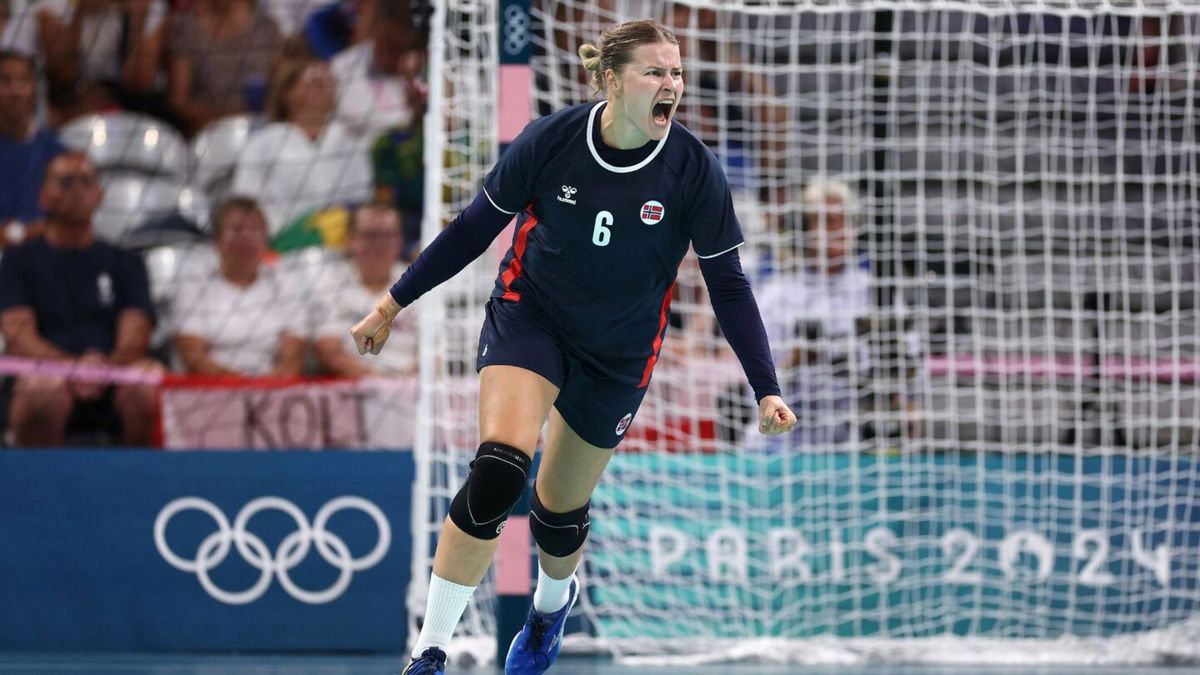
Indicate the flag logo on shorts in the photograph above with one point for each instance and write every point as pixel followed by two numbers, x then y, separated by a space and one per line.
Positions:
pixel 652 212
pixel 624 423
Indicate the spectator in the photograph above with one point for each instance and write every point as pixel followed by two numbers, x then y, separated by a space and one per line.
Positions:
pixel 100 53
pixel 374 245
pixel 810 316
pixel 70 298
pixel 25 148
pixel 304 160
pixel 221 56
pixel 241 319
pixel 16 28
pixel 381 77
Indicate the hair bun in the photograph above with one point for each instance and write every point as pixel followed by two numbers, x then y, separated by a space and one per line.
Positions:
pixel 590 54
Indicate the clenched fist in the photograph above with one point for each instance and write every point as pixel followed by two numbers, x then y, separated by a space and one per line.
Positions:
pixel 370 333
pixel 774 416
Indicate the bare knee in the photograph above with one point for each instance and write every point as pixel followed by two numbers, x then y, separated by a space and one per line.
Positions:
pixel 137 405
pixel 39 410
pixel 41 398
pixel 136 399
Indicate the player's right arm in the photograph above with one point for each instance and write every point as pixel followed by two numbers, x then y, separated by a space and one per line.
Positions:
pixel 506 190
pixel 465 239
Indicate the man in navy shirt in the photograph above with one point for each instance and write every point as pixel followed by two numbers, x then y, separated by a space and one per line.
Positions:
pixel 25 149
pixel 610 198
pixel 70 299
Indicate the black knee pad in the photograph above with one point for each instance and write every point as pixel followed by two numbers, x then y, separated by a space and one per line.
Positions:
pixel 497 479
pixel 559 534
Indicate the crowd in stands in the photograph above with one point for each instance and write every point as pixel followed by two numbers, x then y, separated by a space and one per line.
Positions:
pixel 265 130
pixel 300 128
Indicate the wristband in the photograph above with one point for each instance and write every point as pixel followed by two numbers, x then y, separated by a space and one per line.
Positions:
pixel 388 307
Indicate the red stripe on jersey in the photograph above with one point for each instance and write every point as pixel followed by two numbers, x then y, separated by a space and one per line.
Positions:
pixel 515 265
pixel 658 339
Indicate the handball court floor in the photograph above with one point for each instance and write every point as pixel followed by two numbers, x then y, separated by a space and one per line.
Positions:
pixel 202 664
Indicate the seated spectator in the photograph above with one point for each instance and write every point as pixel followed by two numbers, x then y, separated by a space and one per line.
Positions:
pixel 25 148
pixel 374 245
pixel 16 27
pixel 100 53
pixel 810 316
pixel 381 77
pixel 335 26
pixel 220 58
pixel 304 160
pixel 70 298
pixel 240 319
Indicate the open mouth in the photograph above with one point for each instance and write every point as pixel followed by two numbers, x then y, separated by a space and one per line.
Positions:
pixel 660 114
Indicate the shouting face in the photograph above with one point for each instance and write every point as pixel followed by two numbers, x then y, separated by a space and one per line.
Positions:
pixel 645 94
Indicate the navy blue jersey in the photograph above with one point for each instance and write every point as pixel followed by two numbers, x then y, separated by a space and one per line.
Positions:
pixel 76 295
pixel 601 232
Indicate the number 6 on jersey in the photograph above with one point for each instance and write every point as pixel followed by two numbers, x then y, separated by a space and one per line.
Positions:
pixel 601 235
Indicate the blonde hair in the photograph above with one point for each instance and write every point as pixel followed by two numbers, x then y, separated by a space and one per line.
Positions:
pixel 821 189
pixel 615 48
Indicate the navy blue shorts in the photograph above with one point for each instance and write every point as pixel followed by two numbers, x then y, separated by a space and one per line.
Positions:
pixel 595 398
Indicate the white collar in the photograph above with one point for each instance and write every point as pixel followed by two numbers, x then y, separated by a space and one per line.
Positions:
pixel 619 169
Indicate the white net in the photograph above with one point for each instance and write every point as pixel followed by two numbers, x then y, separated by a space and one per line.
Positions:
pixel 996 382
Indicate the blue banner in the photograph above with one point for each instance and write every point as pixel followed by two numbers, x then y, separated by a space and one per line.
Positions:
pixel 805 544
pixel 145 551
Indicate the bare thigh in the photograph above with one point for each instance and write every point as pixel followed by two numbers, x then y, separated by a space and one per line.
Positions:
pixel 513 403
pixel 570 469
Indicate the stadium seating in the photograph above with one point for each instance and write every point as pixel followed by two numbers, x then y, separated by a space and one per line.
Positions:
pixel 131 199
pixel 129 142
pixel 215 152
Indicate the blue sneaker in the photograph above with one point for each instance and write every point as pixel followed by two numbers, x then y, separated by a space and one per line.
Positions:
pixel 431 662
pixel 536 647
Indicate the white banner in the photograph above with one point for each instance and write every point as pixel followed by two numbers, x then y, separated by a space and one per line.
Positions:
pixel 370 413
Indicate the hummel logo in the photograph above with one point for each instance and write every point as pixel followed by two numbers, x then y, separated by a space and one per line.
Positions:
pixel 567 193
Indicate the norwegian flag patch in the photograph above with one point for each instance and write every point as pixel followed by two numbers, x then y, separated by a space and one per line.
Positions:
pixel 652 212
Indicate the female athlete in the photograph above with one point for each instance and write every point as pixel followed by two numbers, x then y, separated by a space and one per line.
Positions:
pixel 608 197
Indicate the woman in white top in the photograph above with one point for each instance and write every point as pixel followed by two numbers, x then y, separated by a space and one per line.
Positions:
pixel 304 160
pixel 241 319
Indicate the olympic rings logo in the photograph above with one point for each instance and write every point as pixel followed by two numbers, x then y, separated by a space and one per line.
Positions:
pixel 516 29
pixel 293 549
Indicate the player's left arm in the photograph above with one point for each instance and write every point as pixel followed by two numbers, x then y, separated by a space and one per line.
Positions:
pixel 740 321
pixel 716 235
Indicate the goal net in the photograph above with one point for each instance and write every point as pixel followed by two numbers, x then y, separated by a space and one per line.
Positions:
pixel 972 229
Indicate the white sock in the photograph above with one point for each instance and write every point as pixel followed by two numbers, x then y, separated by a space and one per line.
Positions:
pixel 551 594
pixel 445 606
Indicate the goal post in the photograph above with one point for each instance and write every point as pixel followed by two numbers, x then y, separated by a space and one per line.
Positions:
pixel 997 382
